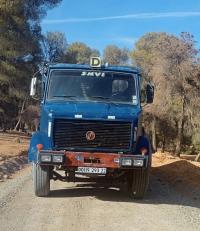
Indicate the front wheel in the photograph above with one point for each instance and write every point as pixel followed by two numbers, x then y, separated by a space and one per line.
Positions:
pixel 138 181
pixel 41 180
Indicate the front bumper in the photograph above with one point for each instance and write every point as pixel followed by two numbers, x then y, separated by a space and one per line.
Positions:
pixel 88 159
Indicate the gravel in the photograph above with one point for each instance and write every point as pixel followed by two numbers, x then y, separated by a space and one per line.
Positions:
pixel 88 207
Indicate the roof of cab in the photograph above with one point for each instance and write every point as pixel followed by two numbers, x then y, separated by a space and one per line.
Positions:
pixel 105 68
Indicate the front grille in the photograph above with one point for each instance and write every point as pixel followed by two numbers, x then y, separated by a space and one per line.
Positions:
pixel 109 135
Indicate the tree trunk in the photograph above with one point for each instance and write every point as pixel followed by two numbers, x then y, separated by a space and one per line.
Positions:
pixel 180 129
pixel 20 116
pixel 179 139
pixel 163 145
pixel 153 128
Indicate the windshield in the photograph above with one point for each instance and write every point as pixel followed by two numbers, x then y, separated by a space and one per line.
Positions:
pixel 92 86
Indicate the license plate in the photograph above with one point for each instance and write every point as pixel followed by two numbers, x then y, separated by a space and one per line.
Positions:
pixel 91 170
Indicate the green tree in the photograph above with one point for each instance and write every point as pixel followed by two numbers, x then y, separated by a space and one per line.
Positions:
pixel 171 63
pixel 54 46
pixel 115 55
pixel 79 52
pixel 20 34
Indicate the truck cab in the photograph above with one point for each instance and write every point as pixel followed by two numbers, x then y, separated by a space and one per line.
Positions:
pixel 91 126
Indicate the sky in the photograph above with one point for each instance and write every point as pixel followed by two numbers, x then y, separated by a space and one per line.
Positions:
pixel 122 22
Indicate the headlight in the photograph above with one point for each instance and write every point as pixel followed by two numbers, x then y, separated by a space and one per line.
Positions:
pixel 57 159
pixel 126 162
pixel 45 158
pixel 138 163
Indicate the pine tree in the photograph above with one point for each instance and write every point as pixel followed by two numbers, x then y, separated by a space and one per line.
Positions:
pixel 20 34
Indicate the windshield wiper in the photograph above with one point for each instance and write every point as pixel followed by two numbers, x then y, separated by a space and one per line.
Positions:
pixel 105 98
pixel 100 97
pixel 65 96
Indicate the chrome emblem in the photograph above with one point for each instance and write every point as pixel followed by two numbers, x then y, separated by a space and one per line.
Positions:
pixel 90 135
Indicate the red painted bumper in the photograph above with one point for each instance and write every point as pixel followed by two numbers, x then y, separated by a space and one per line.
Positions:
pixel 89 159
pixel 86 159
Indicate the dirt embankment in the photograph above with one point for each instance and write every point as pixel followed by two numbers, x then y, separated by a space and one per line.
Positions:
pixel 13 153
pixel 181 173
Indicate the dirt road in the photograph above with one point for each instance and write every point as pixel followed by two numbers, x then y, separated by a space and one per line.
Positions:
pixel 87 207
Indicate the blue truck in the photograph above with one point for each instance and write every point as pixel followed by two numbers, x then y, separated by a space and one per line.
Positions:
pixel 91 126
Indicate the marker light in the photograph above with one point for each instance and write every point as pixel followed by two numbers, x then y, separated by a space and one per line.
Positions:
pixel 143 151
pixel 95 62
pixel 116 160
pixel 39 147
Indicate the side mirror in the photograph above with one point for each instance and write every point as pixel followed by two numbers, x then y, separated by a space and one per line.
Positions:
pixel 33 86
pixel 149 93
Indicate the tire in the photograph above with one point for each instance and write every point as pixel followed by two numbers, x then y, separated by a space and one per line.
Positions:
pixel 138 183
pixel 41 180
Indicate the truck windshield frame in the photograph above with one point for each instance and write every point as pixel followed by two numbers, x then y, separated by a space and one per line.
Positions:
pixel 92 86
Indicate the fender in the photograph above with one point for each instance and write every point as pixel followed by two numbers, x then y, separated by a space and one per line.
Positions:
pixel 143 141
pixel 38 138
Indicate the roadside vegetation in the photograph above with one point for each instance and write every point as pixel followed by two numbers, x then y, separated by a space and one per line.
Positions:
pixel 170 62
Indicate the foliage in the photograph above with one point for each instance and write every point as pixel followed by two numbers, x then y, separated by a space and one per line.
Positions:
pixel 80 53
pixel 54 46
pixel 172 64
pixel 116 56
pixel 20 35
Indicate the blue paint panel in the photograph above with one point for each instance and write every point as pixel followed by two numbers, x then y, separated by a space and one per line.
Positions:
pixel 38 138
pixel 88 110
pixel 103 68
pixel 143 142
